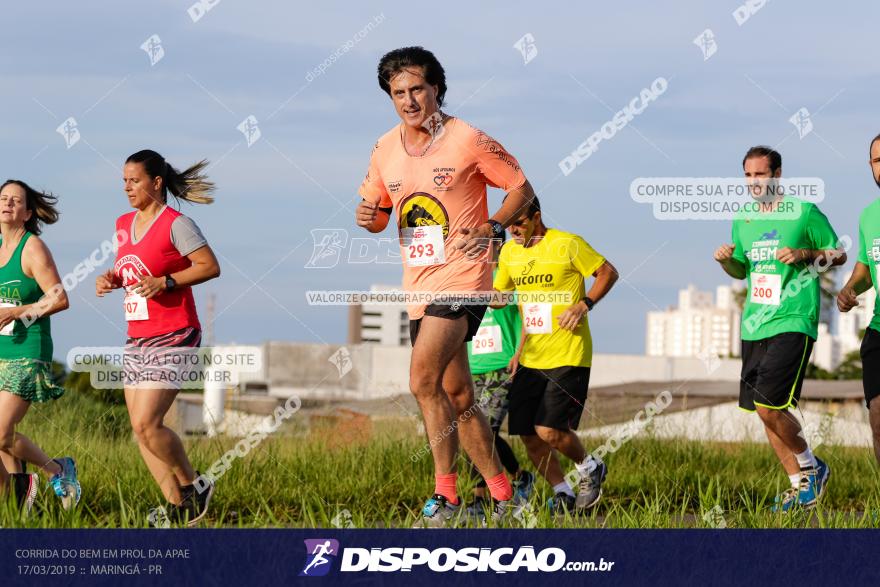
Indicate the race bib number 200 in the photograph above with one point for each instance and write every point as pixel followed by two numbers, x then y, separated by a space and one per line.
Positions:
pixel 423 245
pixel 766 289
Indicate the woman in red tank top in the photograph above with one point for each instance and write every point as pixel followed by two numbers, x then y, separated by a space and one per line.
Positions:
pixel 163 256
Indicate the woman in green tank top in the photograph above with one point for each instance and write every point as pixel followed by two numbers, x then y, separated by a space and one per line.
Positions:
pixel 30 291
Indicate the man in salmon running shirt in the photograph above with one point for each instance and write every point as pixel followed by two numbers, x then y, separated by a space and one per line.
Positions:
pixel 431 171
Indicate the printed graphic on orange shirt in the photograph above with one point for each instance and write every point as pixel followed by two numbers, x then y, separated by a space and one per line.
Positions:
pixel 489 144
pixel 421 209
pixel 394 186
pixel 443 178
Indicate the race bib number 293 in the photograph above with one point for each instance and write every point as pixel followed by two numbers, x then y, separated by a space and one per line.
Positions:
pixel 423 245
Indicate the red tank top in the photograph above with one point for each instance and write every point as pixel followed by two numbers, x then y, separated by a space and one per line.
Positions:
pixel 154 255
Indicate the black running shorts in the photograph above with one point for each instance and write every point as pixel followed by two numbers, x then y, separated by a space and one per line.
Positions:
pixel 773 371
pixel 871 364
pixel 474 315
pixel 553 398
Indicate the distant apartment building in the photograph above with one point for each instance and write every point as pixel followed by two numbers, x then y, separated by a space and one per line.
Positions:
pixel 832 347
pixel 379 323
pixel 697 325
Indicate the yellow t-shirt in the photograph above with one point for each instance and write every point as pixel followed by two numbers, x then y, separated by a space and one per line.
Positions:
pixel 554 268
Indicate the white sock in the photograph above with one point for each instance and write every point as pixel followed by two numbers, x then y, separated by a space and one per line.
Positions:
pixel 563 487
pixel 795 480
pixel 587 466
pixel 806 460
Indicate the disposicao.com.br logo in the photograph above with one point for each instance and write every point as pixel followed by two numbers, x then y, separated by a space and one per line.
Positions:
pixel 442 560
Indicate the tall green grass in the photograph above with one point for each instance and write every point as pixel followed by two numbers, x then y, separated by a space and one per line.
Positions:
pixel 293 480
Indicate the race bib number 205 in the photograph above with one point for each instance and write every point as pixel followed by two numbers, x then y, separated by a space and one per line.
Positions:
pixel 487 340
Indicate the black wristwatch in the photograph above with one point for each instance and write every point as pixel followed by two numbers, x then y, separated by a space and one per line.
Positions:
pixel 590 303
pixel 497 227
pixel 169 283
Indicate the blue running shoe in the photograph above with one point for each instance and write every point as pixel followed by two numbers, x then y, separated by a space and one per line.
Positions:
pixel 813 484
pixel 66 483
pixel 437 513
pixel 786 500
pixel 523 485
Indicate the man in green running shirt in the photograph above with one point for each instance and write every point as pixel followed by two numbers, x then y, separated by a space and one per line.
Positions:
pixel 863 278
pixel 779 246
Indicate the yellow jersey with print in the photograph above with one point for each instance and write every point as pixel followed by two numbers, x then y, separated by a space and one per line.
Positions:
pixel 548 277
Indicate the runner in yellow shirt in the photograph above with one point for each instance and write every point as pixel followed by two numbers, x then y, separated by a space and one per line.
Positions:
pixel 547 268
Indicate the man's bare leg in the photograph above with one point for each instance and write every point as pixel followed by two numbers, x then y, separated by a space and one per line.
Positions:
pixel 874 419
pixel 441 382
pixel 785 435
pixel 434 348
pixel 544 459
pixel 475 434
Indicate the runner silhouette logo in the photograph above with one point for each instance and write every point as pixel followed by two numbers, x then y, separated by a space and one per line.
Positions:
pixel 320 553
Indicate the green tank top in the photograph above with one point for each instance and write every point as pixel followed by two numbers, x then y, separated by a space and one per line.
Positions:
pixel 34 342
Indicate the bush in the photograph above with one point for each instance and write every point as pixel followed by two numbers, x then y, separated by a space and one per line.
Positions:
pixel 80 383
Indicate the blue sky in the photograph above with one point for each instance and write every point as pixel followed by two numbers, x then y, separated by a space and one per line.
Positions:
pixel 252 58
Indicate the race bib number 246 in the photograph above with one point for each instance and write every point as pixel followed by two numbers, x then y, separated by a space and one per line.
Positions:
pixel 538 318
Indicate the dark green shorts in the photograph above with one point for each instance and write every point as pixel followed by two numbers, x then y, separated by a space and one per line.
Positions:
pixel 30 379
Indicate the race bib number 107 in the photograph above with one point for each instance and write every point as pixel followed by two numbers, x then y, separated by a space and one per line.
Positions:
pixel 136 307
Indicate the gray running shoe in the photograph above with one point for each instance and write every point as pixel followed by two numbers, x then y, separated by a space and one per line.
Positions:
pixel 590 487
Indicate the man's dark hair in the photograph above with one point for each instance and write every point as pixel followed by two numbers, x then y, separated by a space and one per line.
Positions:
pixel 396 61
pixel 534 206
pixel 772 155
pixel 871 146
pixel 877 138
